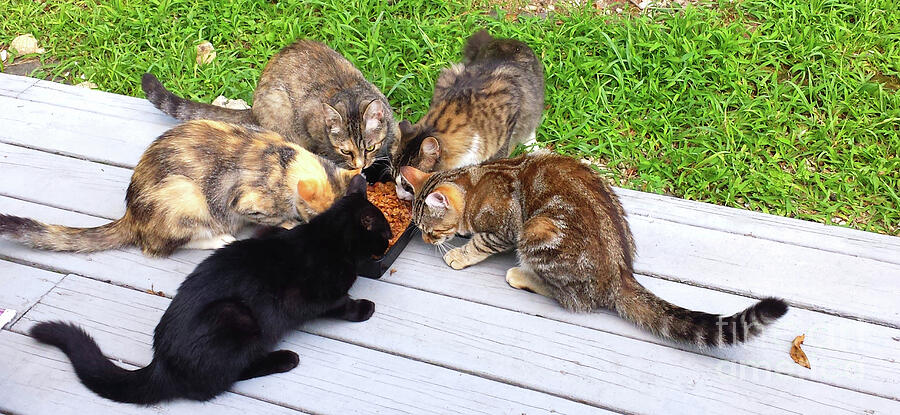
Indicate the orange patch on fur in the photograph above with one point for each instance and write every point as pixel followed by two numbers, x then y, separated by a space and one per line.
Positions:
pixel 414 176
pixel 453 194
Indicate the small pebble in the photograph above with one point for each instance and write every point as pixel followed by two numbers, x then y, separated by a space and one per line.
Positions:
pixel 25 44
pixel 205 53
pixel 87 84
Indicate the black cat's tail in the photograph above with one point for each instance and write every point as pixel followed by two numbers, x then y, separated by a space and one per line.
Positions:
pixel 186 110
pixel 97 372
pixel 39 235
pixel 670 321
pixel 474 45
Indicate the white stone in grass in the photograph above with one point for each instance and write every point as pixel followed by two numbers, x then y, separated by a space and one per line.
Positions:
pixel 25 44
pixel 87 84
pixel 235 104
pixel 205 53
pixel 644 4
pixel 3 55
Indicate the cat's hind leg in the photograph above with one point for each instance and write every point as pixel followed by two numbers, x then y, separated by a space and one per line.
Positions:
pixel 525 279
pixel 276 362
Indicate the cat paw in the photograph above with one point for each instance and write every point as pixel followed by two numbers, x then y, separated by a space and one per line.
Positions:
pixel 283 361
pixel 515 279
pixel 456 258
pixel 361 310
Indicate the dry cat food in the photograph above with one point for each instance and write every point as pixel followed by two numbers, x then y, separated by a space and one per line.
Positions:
pixel 398 212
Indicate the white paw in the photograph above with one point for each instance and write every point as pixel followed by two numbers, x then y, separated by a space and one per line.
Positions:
pixel 215 242
pixel 456 258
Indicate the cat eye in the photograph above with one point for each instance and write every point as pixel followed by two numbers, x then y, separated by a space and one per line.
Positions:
pixel 371 148
pixel 346 152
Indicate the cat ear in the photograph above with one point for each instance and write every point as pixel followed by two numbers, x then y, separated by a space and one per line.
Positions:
pixel 414 176
pixel 368 219
pixel 407 130
pixel 333 119
pixel 431 148
pixel 373 117
pixel 357 185
pixel 437 200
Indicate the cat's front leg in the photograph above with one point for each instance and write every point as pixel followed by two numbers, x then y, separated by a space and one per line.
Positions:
pixel 351 310
pixel 479 248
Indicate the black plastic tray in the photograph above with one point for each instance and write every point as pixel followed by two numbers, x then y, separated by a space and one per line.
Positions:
pixel 375 269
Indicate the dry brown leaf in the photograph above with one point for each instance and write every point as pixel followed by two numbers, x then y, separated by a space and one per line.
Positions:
pixel 797 353
pixel 393 270
pixel 205 53
pixel 25 45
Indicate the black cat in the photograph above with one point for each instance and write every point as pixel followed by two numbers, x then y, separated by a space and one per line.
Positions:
pixel 233 309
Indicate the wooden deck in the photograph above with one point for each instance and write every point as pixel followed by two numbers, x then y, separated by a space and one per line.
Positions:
pixel 444 341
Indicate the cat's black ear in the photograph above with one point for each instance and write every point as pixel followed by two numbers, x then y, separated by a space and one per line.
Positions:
pixel 357 185
pixel 368 219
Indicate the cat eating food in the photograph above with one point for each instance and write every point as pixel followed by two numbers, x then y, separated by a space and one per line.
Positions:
pixel 571 238
pixel 234 308
pixel 196 186
pixel 312 96
pixel 481 109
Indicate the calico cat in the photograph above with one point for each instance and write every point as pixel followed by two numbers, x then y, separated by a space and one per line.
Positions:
pixel 311 95
pixel 197 185
pixel 232 310
pixel 571 238
pixel 481 109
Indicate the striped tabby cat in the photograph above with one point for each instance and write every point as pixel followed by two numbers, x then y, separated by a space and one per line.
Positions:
pixel 311 95
pixel 197 185
pixel 481 109
pixel 572 240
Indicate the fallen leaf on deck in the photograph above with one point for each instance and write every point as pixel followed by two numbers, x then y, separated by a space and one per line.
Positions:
pixel 25 44
pixel 797 353
pixel 393 270
pixel 205 53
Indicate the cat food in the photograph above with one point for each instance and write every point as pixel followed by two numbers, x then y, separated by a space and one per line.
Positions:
pixel 398 212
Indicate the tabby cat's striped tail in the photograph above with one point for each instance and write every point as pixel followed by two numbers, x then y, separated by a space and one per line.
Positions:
pixel 63 238
pixel 186 110
pixel 637 304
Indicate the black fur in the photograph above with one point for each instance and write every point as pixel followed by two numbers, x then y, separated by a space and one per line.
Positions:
pixel 233 309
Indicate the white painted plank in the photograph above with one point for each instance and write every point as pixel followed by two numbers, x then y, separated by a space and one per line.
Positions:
pixel 848 353
pixel 98 102
pixel 36 379
pixel 333 377
pixel 78 133
pixel 64 182
pixel 22 286
pixel 742 222
pixel 13 86
pixel 755 267
pixel 763 226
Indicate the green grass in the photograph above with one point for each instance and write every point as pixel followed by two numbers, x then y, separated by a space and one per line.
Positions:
pixel 783 106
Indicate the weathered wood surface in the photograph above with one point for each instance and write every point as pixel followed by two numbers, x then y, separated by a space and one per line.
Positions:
pixel 466 337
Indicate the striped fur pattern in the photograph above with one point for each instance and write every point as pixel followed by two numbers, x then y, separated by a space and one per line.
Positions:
pixel 198 184
pixel 311 95
pixel 571 238
pixel 481 108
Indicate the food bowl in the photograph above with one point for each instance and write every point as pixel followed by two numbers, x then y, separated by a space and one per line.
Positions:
pixel 376 268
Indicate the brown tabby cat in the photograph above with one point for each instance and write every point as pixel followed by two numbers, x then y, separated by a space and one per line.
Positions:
pixel 571 238
pixel 481 109
pixel 313 96
pixel 198 184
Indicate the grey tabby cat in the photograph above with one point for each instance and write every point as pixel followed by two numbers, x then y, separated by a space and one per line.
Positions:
pixel 570 235
pixel 312 96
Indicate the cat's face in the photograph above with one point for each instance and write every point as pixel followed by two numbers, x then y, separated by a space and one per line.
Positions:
pixel 419 150
pixel 437 206
pixel 367 224
pixel 355 138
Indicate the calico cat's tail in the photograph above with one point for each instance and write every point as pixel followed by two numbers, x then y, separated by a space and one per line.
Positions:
pixel 97 372
pixel 63 238
pixel 670 321
pixel 186 110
